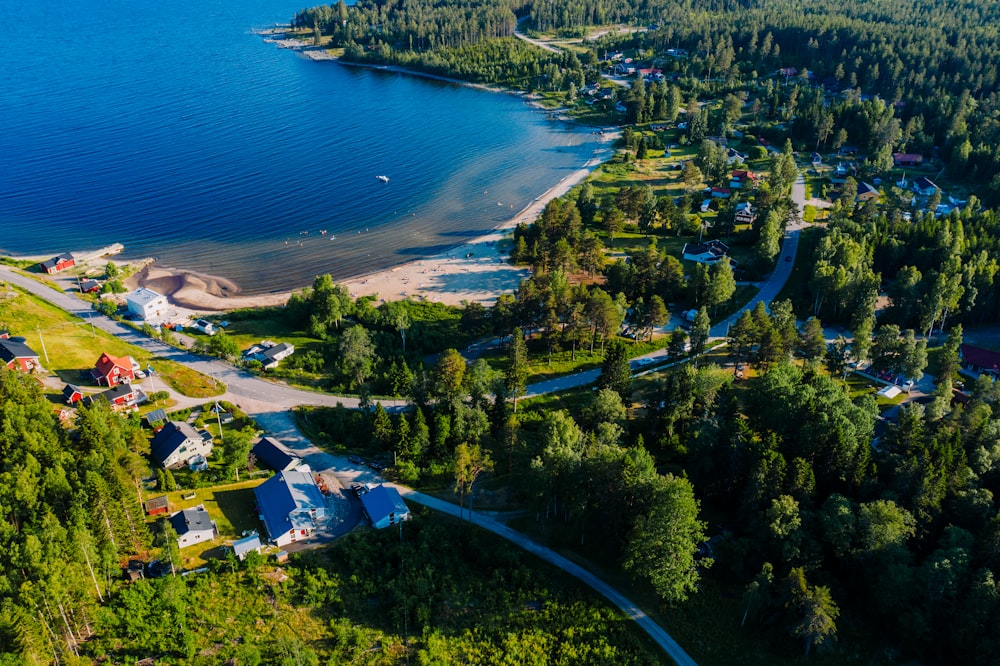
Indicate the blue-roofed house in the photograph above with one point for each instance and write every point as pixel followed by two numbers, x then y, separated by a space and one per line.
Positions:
pixel 242 547
pixel 384 506
pixel 290 506
pixel 270 452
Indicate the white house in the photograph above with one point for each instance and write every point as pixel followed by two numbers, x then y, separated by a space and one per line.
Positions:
pixel 925 186
pixel 745 213
pixel 268 353
pixel 291 506
pixel 384 506
pixel 177 443
pixel 193 526
pixel 147 304
pixel 708 252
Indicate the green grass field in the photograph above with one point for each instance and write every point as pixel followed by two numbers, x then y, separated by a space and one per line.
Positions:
pixel 231 506
pixel 69 346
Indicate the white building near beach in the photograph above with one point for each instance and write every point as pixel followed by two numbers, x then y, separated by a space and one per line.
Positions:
pixel 147 304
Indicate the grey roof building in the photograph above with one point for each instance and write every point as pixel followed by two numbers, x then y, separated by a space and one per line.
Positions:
pixel 193 526
pixel 176 443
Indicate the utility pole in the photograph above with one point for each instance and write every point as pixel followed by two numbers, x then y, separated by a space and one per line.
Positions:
pixel 40 339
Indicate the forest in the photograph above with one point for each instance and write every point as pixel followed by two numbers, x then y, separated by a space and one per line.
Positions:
pixel 915 74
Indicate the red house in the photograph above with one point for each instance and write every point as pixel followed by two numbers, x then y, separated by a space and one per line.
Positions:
pixel 120 397
pixel 907 159
pixel 979 361
pixel 110 370
pixel 18 356
pixel 60 263
pixel 742 178
pixel 157 505
pixel 72 394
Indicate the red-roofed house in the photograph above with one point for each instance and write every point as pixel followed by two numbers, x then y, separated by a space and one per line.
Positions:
pixel 979 361
pixel 742 178
pixel 907 159
pixel 110 370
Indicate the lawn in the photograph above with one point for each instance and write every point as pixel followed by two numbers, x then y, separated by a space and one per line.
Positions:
pixel 231 506
pixel 69 346
pixel 186 381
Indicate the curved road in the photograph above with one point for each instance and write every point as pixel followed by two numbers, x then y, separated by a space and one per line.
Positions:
pixel 269 404
pixel 775 282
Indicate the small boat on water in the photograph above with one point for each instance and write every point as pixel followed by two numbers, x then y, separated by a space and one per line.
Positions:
pixel 384 179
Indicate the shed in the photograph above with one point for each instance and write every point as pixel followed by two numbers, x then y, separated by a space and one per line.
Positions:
pixel 157 505
pixel 246 545
pixel 156 416
pixel 72 394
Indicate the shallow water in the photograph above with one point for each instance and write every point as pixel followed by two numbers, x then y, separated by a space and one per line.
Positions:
pixel 170 127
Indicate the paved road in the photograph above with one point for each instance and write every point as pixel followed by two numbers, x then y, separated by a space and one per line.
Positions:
pixel 242 386
pixel 282 426
pixel 269 404
pixel 540 44
pixel 770 288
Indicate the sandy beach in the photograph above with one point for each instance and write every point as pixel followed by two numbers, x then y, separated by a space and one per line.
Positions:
pixel 476 271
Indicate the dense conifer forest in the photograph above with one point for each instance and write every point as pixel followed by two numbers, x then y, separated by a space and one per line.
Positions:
pixel 933 67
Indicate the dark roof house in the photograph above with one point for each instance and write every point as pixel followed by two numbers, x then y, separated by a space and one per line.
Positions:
pixel 290 504
pixel 176 443
pixel 18 356
pixel 925 186
pixel 270 452
pixel 60 263
pixel 120 397
pixel 269 353
pixel 193 526
pixel 708 252
pixel 867 192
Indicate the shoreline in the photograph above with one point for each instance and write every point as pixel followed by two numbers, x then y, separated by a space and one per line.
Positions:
pixel 474 271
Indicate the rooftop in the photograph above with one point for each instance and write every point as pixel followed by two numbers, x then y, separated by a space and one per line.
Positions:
pixel 143 296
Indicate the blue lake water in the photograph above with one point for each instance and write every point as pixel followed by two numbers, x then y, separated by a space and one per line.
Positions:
pixel 170 127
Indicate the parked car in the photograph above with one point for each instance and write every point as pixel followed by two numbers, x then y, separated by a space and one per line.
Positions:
pixel 356 460
pixel 377 466
pixel 358 490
